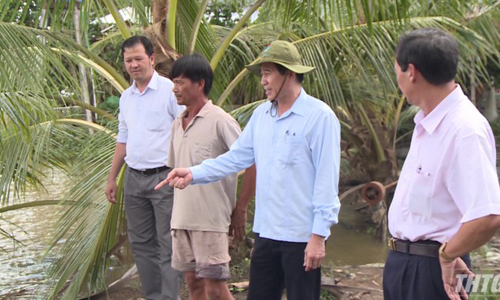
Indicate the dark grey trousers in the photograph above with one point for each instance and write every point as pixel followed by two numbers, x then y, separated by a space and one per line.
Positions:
pixel 148 221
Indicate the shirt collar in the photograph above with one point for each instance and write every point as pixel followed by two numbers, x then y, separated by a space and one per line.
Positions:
pixel 430 122
pixel 152 84
pixel 203 111
pixel 299 107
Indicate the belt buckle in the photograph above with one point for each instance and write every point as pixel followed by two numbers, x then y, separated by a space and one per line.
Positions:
pixel 392 244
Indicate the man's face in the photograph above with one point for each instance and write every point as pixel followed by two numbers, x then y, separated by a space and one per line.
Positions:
pixel 271 80
pixel 187 91
pixel 138 64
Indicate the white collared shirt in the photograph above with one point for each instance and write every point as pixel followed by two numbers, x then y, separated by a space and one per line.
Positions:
pixel 145 121
pixel 449 176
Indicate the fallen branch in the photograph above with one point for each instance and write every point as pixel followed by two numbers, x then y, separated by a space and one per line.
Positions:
pixel 129 275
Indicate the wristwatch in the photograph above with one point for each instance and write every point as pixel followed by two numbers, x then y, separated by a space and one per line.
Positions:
pixel 443 255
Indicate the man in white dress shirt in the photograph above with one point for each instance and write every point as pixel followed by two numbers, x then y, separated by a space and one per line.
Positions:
pixel 147 110
pixel 447 201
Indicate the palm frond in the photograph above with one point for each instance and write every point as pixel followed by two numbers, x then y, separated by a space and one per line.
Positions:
pixel 186 15
pixel 50 144
pixel 351 43
pixel 242 114
pixel 38 61
pixel 358 52
pixel 91 225
pixel 245 48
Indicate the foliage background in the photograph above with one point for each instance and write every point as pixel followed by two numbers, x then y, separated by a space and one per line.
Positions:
pixel 43 65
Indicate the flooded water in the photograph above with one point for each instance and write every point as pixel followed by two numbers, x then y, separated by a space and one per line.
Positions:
pixel 351 243
pixel 22 268
pixel 22 271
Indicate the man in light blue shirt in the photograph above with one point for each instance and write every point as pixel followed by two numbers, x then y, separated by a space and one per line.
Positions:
pixel 294 140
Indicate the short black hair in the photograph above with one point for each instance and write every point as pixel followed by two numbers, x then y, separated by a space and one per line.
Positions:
pixel 282 70
pixel 432 51
pixel 138 39
pixel 196 68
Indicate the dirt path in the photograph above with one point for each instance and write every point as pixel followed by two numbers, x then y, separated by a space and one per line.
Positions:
pixel 348 282
pixel 358 282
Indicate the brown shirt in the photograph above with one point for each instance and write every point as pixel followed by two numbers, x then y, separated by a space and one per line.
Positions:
pixel 210 134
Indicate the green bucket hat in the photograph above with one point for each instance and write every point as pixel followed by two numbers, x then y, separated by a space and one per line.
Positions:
pixel 282 53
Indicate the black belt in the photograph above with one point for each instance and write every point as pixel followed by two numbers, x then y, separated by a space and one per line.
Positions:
pixel 150 171
pixel 423 248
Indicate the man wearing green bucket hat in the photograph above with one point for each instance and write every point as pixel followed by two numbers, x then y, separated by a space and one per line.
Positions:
pixel 282 53
pixel 294 140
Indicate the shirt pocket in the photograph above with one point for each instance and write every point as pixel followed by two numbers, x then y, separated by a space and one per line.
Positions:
pixel 155 121
pixel 200 153
pixel 420 193
pixel 291 151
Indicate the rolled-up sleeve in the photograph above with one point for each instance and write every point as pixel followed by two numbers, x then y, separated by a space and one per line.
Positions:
pixel 325 147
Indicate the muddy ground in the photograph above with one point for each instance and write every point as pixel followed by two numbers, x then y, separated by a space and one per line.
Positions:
pixel 347 282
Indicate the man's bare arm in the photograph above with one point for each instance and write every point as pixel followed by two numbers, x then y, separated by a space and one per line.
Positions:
pixel 472 235
pixel 116 165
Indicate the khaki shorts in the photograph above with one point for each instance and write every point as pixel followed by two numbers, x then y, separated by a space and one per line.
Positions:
pixel 204 252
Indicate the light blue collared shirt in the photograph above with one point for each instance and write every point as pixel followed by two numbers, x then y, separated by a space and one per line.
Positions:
pixel 297 157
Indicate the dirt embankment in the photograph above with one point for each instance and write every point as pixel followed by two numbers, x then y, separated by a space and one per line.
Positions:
pixel 347 282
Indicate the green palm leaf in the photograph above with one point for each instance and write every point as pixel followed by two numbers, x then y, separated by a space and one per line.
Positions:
pixel 350 42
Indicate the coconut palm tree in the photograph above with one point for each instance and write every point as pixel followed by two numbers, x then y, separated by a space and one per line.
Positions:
pixel 350 42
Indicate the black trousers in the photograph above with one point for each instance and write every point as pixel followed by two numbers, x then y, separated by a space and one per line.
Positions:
pixel 277 265
pixel 414 277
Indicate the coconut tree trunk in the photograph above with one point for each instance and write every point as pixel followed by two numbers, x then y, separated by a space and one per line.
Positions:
pixel 473 83
pixel 43 17
pixel 160 9
pixel 490 107
pixel 165 54
pixel 84 83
